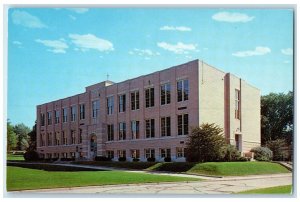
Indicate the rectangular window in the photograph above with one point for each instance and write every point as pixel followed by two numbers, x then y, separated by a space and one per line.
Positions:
pixel 57 139
pixel 110 105
pixel 165 94
pixel 57 115
pixel 165 126
pixel 150 128
pixel 110 154
pixel 64 138
pixel 42 139
pixel 49 116
pixel 42 119
pixel 165 153
pixel 73 113
pixel 149 153
pixel 135 129
pixel 237 104
pixel 122 131
pixel 73 136
pixel 135 100
pixel 82 111
pixel 183 124
pixel 80 136
pixel 110 132
pixel 65 115
pixel 95 108
pixel 122 103
pixel 49 139
pixel 180 152
pixel 149 97
pixel 135 153
pixel 182 90
pixel 121 153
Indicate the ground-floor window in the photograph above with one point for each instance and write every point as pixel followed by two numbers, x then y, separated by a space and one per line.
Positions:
pixel 149 153
pixel 72 154
pixel 135 153
pixel 180 152
pixel 121 153
pixel 110 154
pixel 64 155
pixel 165 153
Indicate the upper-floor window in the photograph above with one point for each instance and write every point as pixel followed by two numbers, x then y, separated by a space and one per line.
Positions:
pixel 57 115
pixel 49 115
pixel 57 139
pixel 80 136
pixel 135 100
pixel 65 115
pixel 149 95
pixel 64 138
pixel 135 129
pixel 73 113
pixel 73 137
pixel 183 124
pixel 42 139
pixel 95 108
pixel 182 90
pixel 122 103
pixel 237 110
pixel 165 94
pixel 122 131
pixel 42 119
pixel 165 126
pixel 81 111
pixel 110 105
pixel 49 139
pixel 110 132
pixel 150 128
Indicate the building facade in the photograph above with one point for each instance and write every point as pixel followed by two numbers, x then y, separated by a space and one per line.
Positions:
pixel 150 116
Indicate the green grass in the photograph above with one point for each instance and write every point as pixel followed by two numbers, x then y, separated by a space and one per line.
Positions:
pixel 24 178
pixel 237 168
pixel 271 190
pixel 15 157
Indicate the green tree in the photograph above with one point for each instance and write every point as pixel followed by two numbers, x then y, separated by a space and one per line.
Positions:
pixel 22 131
pixel 277 117
pixel 205 143
pixel 11 137
pixel 279 149
pixel 32 139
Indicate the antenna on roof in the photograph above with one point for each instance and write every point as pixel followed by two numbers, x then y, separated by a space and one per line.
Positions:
pixel 107 76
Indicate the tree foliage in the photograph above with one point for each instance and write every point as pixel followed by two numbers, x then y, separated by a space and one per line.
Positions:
pixel 205 143
pixel 11 137
pixel 277 117
pixel 32 139
pixel 279 149
pixel 22 131
pixel 262 153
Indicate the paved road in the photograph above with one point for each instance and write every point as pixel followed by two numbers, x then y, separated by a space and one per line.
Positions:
pixel 226 185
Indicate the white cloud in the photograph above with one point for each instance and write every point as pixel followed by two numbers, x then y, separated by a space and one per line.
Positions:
pixel 259 50
pixel 57 46
pixel 25 19
pixel 146 53
pixel 286 61
pixel 287 51
pixel 232 17
pixel 79 10
pixel 89 41
pixel 18 43
pixel 179 28
pixel 72 17
pixel 179 48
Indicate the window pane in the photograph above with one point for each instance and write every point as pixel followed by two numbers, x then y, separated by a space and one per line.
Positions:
pixel 179 91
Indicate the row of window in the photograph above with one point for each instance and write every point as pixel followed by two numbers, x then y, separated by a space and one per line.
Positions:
pixel 134 153
pixel 165 128
pixel 61 139
pixel 165 98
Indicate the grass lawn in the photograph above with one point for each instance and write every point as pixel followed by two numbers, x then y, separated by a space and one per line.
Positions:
pixel 271 190
pixel 24 178
pixel 237 168
pixel 15 157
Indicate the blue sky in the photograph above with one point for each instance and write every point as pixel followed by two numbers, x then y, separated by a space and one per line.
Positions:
pixel 56 52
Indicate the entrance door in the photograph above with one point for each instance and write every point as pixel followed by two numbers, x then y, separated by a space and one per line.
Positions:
pixel 238 142
pixel 93 147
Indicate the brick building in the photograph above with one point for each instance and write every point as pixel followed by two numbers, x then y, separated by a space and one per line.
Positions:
pixel 150 116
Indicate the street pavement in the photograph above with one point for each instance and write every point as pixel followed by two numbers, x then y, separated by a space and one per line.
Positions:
pixel 209 185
